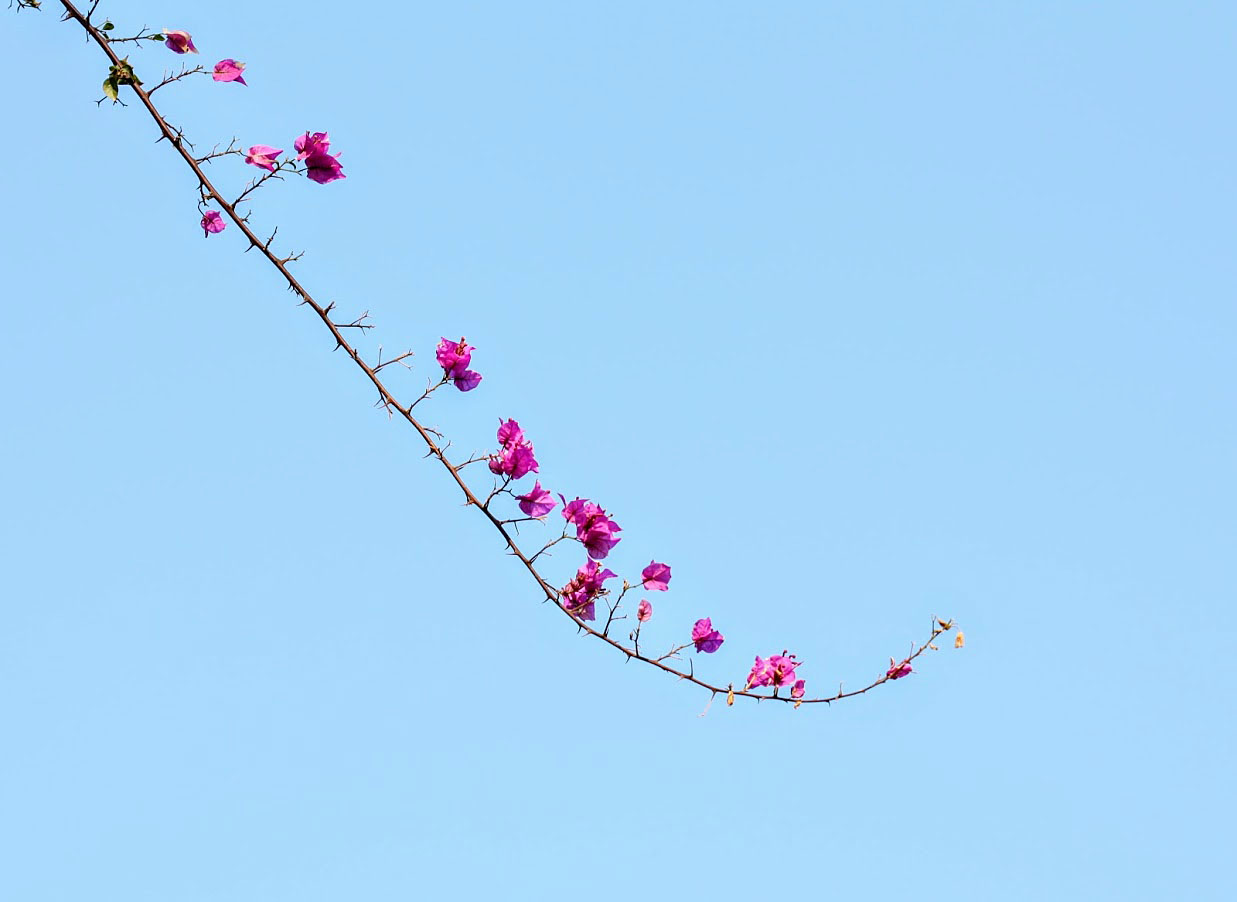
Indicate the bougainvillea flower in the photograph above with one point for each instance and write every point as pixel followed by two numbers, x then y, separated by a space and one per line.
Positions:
pixel 324 168
pixel 644 611
pixel 798 689
pixel 536 503
pixel 705 638
pixel 656 577
pixel 510 433
pixel 897 671
pixel 263 156
pixel 454 358
pixel 515 462
pixel 308 144
pixel 778 670
pixel 229 70
pixel 212 223
pixel 579 595
pixel 761 674
pixel 593 527
pixel 178 41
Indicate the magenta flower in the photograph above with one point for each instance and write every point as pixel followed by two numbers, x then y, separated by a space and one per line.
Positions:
pixel 897 671
pixel 705 638
pixel 644 611
pixel 229 70
pixel 798 689
pixel 510 433
pixel 579 595
pixel 778 670
pixel 516 460
pixel 178 41
pixel 593 528
pixel 323 169
pixel 454 358
pixel 308 144
pixel 320 165
pixel 263 156
pixel 536 503
pixel 212 223
pixel 656 577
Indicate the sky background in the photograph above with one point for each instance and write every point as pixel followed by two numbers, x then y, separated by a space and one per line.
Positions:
pixel 855 314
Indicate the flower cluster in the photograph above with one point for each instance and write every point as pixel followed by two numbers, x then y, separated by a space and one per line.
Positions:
pixel 593 528
pixel 705 638
pixel 778 670
pixel 516 460
pixel 320 165
pixel 585 588
pixel 454 358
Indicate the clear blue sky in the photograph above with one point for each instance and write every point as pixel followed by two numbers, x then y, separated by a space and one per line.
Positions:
pixel 854 314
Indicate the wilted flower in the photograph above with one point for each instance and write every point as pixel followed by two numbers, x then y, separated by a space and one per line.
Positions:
pixel 536 503
pixel 797 690
pixel 229 70
pixel 178 41
pixel 644 611
pixel 263 156
pixel 212 223
pixel 454 358
pixel 705 638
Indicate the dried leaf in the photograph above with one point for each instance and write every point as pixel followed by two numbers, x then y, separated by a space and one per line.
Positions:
pixel 933 647
pixel 945 624
pixel 730 698
pixel 960 639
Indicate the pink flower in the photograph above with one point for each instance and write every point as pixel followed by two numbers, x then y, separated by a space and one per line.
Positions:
pixel 536 503
pixel 897 671
pixel 212 223
pixel 263 156
pixel 516 460
pixel 705 638
pixel 798 689
pixel 320 165
pixel 656 577
pixel 179 41
pixel 579 595
pixel 644 611
pixel 510 433
pixel 593 528
pixel 229 70
pixel 778 670
pixel 308 144
pixel 323 169
pixel 454 358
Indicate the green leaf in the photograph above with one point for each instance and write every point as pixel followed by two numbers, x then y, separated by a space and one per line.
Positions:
pixel 111 87
pixel 156 37
pixel 108 26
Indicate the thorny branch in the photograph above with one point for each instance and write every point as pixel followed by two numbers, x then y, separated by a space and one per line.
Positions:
pixel 429 436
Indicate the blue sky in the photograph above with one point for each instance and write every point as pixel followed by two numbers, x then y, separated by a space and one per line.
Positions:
pixel 854 314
